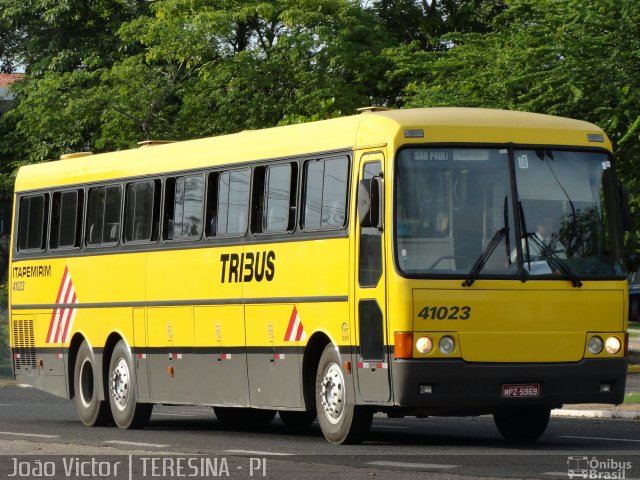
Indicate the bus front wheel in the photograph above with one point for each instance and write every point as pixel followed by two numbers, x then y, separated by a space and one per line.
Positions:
pixel 522 425
pixel 123 393
pixel 340 420
pixel 92 411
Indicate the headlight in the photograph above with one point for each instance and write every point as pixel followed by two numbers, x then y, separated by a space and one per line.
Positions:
pixel 424 345
pixel 447 345
pixel 595 345
pixel 613 345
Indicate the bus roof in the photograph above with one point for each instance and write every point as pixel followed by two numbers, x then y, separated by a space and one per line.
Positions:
pixel 440 125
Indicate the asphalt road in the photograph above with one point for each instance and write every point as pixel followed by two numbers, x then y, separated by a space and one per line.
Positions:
pixel 36 423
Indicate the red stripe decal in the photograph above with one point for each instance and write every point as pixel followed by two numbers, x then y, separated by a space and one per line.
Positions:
pixel 64 311
pixel 68 319
pixel 292 321
pixel 299 332
pixel 55 310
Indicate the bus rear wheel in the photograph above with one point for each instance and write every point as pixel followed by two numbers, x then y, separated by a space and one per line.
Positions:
pixel 123 393
pixel 522 425
pixel 92 411
pixel 340 420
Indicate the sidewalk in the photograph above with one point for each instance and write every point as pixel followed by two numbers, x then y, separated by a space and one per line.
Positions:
pixel 627 411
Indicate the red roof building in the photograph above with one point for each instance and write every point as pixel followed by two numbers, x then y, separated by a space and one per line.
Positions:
pixel 6 79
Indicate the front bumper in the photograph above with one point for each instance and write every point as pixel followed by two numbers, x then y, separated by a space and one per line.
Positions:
pixel 459 387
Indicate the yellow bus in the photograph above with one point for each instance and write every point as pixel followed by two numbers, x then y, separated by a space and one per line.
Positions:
pixel 412 262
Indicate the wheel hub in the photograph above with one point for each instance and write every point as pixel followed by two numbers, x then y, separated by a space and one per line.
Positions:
pixel 332 395
pixel 120 384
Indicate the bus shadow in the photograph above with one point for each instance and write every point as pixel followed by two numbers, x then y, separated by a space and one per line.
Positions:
pixel 422 435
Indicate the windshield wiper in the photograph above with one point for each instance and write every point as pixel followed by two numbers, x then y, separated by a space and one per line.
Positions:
pixel 489 249
pixel 547 253
pixel 525 234
pixel 484 257
pixel 507 243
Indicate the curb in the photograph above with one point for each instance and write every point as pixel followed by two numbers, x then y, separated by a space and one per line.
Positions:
pixel 625 415
pixel 634 369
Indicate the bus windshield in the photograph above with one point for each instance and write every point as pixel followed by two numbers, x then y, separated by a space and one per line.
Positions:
pixel 455 214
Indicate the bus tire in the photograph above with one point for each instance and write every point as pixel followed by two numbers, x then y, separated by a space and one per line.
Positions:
pixel 92 411
pixel 123 392
pixel 293 419
pixel 522 425
pixel 341 421
pixel 244 417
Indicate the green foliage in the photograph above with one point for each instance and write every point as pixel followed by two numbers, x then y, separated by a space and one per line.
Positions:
pixel 63 35
pixel 252 64
pixel 190 69
pixel 425 23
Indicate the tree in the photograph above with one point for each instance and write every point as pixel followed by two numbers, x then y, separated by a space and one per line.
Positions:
pixel 64 35
pixel 254 64
pixel 8 43
pixel 66 47
pixel 425 22
pixel 204 67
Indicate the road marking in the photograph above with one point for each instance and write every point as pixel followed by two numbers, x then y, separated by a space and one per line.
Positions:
pixel 413 465
pixel 29 435
pixel 602 438
pixel 257 452
pixel 135 444
pixel 175 414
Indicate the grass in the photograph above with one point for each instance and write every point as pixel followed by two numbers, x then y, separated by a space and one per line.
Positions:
pixel 632 398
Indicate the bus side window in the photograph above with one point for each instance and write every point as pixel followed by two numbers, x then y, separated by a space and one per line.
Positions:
pixel 232 210
pixel 66 219
pixel 141 212
pixel 370 257
pixel 325 194
pixel 32 223
pixel 274 198
pixel 103 215
pixel 184 199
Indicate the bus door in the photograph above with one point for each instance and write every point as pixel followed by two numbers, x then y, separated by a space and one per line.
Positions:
pixel 370 306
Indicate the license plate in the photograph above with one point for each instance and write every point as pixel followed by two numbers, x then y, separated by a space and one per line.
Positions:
pixel 520 390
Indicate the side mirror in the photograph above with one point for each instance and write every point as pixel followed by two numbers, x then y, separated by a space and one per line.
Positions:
pixel 370 195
